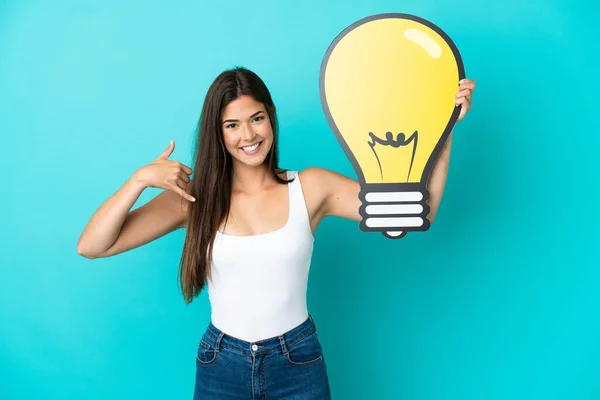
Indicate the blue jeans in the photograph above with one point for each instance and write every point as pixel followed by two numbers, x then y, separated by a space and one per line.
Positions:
pixel 290 366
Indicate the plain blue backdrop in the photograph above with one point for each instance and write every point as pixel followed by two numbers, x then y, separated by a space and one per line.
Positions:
pixel 498 300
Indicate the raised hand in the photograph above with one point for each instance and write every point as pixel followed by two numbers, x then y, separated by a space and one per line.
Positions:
pixel 464 95
pixel 167 174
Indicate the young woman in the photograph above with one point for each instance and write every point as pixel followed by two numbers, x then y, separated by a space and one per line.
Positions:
pixel 250 227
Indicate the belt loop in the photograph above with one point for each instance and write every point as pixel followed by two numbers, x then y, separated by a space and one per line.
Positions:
pixel 283 346
pixel 218 341
pixel 314 326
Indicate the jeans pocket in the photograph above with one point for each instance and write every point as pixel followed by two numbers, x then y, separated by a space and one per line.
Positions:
pixel 305 352
pixel 206 354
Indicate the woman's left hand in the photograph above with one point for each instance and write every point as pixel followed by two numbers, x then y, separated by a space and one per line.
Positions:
pixel 464 95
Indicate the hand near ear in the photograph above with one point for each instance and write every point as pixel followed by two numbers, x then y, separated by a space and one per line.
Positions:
pixel 167 174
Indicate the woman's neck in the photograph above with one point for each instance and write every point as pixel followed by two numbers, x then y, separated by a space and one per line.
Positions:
pixel 251 179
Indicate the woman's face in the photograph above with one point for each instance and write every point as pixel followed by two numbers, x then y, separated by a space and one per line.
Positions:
pixel 245 123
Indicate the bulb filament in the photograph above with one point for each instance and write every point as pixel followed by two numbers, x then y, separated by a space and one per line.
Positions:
pixel 400 140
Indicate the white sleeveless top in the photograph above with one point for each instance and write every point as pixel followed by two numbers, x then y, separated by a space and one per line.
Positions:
pixel 258 286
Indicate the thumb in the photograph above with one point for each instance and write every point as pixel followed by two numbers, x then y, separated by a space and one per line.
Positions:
pixel 165 154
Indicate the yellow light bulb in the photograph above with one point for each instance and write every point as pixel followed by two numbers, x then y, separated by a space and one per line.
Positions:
pixel 388 84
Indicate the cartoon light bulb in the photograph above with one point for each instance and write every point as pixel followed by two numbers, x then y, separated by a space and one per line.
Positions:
pixel 388 84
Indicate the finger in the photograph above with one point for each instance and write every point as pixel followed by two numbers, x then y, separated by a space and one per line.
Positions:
pixel 466 103
pixel 465 86
pixel 467 81
pixel 181 183
pixel 182 193
pixel 165 154
pixel 182 175
pixel 464 93
pixel 185 168
pixel 461 100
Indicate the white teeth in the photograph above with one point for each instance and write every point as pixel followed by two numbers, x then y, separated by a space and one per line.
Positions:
pixel 251 148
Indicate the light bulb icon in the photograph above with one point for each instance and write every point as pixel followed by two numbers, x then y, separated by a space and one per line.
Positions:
pixel 388 84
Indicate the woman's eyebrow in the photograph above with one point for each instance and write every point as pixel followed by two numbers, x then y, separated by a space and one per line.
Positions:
pixel 252 116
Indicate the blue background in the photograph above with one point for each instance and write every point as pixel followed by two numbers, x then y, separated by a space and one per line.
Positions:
pixel 498 300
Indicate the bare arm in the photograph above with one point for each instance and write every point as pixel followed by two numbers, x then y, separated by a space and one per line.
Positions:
pixel 332 194
pixel 439 173
pixel 437 179
pixel 114 229
pixel 339 194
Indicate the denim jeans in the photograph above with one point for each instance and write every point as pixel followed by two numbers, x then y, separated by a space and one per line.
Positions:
pixel 290 366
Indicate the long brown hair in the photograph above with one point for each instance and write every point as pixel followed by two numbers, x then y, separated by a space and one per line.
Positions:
pixel 212 181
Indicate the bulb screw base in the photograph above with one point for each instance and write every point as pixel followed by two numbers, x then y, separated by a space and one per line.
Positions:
pixel 394 209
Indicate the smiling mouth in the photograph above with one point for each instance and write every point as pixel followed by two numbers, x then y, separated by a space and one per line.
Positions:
pixel 252 149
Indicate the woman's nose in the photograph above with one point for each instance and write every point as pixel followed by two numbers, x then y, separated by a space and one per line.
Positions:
pixel 247 133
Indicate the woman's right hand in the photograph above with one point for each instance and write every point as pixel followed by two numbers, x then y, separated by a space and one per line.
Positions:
pixel 166 174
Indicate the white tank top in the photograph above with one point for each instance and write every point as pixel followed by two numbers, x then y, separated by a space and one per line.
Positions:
pixel 258 286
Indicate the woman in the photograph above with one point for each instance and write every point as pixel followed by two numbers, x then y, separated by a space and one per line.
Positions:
pixel 250 229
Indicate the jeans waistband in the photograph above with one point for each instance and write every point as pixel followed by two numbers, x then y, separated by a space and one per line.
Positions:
pixel 220 339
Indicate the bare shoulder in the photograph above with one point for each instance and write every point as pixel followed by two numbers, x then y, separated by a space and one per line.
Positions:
pixel 330 192
pixel 314 196
pixel 313 181
pixel 324 182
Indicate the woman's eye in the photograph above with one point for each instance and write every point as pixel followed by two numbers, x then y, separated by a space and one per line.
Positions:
pixel 230 126
pixel 259 118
